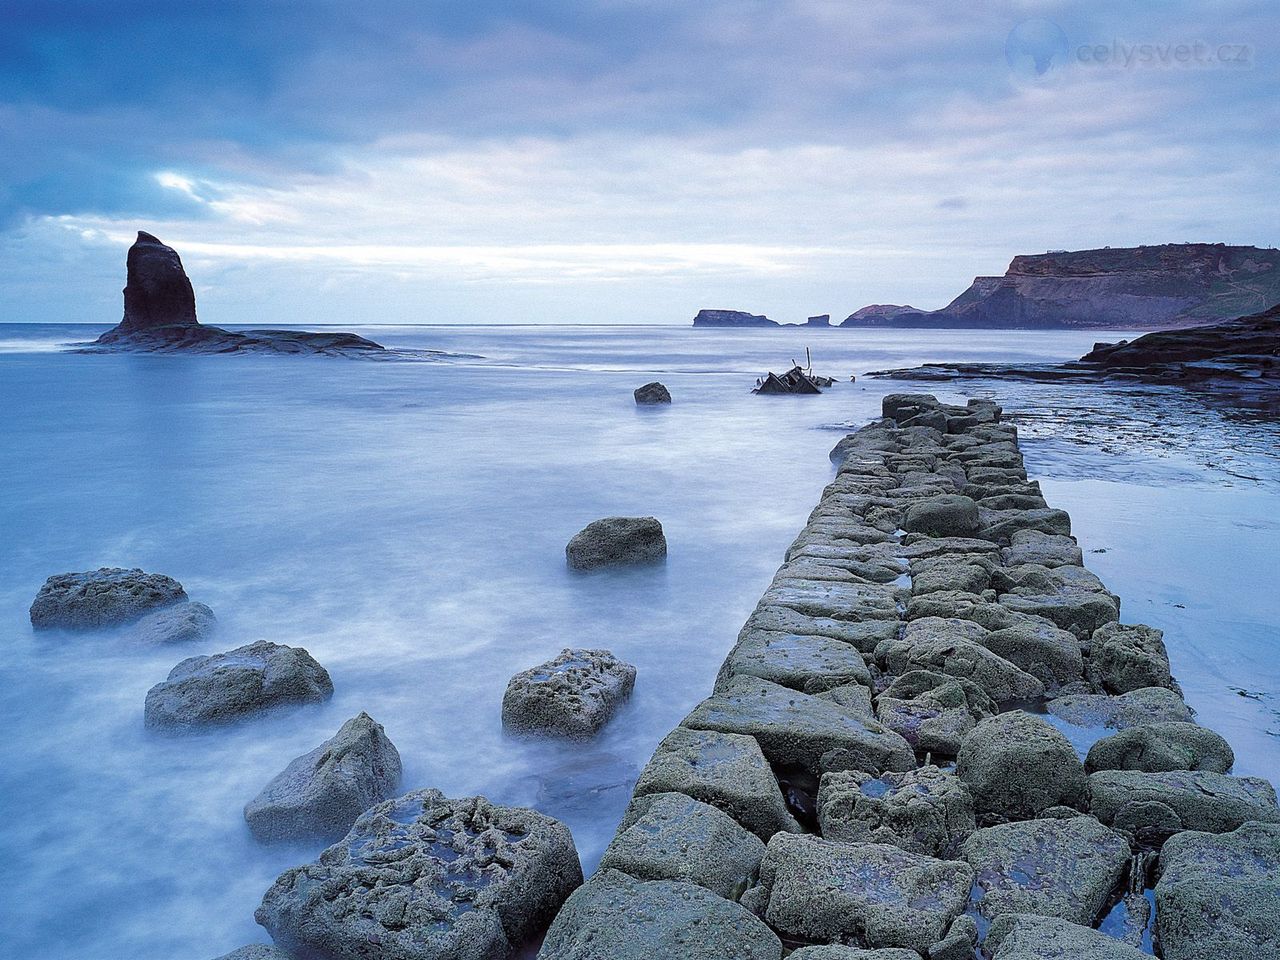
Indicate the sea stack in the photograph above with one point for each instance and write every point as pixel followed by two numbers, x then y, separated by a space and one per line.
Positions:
pixel 157 292
pixel 160 317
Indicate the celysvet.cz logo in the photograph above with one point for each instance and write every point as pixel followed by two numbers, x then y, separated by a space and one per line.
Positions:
pixel 1036 48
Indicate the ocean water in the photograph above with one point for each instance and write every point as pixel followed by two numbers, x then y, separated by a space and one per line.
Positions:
pixel 406 523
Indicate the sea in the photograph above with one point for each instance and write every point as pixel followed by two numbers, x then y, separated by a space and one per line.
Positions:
pixel 405 522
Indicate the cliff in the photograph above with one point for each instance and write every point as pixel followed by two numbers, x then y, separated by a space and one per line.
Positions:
pixel 1165 286
pixel 731 318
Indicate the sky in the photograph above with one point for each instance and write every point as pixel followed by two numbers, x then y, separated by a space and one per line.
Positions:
pixel 566 161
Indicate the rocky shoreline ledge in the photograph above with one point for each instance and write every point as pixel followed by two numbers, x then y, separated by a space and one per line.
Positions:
pixel 884 772
pixel 1236 360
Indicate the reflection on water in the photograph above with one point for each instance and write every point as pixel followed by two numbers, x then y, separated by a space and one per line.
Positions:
pixel 406 523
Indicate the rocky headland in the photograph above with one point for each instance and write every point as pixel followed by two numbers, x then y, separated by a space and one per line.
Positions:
pixel 1165 286
pixel 1236 359
pixel 732 318
pixel 160 317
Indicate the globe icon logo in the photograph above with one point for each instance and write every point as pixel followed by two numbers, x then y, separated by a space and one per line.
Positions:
pixel 1034 47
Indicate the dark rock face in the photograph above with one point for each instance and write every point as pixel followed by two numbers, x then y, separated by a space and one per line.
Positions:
pixel 617 541
pixel 822 320
pixel 652 393
pixel 732 318
pixel 1168 285
pixel 321 793
pixel 157 292
pixel 160 317
pixel 423 877
pixel 228 686
pixel 101 598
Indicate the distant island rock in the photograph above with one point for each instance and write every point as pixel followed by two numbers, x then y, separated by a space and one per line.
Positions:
pixel 160 317
pixel 1171 285
pixel 822 320
pixel 732 318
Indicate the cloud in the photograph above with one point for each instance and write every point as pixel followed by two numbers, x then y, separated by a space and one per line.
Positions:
pixel 783 156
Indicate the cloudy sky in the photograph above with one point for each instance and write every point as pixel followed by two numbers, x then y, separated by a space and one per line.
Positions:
pixel 625 161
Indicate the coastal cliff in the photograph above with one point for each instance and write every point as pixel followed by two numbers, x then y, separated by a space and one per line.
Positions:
pixel 732 318
pixel 1164 286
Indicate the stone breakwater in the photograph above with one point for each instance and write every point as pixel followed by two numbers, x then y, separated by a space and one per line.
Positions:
pixel 935 738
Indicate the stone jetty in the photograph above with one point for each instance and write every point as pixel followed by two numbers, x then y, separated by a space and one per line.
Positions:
pixel 892 763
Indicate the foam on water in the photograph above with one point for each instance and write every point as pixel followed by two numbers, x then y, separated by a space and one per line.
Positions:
pixel 406 524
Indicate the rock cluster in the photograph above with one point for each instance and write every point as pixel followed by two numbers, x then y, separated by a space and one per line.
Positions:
pixel 934 607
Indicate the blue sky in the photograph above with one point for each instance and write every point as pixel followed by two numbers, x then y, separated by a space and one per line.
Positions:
pixel 610 161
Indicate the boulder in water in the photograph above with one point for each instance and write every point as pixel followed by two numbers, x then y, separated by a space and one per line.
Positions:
pixel 176 623
pixel 617 541
pixel 423 877
pixel 228 686
pixel 321 793
pixel 106 597
pixel 652 393
pixel 573 695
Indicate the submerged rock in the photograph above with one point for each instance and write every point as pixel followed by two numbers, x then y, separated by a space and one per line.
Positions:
pixel 423 877
pixel 573 695
pixel 1218 896
pixel 922 811
pixel 617 541
pixel 1017 765
pixel 726 770
pixel 614 917
pixel 321 793
pixel 652 393
pixel 670 836
pixel 1056 868
pixel 1156 747
pixel 106 597
pixel 871 893
pixel 228 686
pixel 1024 936
pixel 181 622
